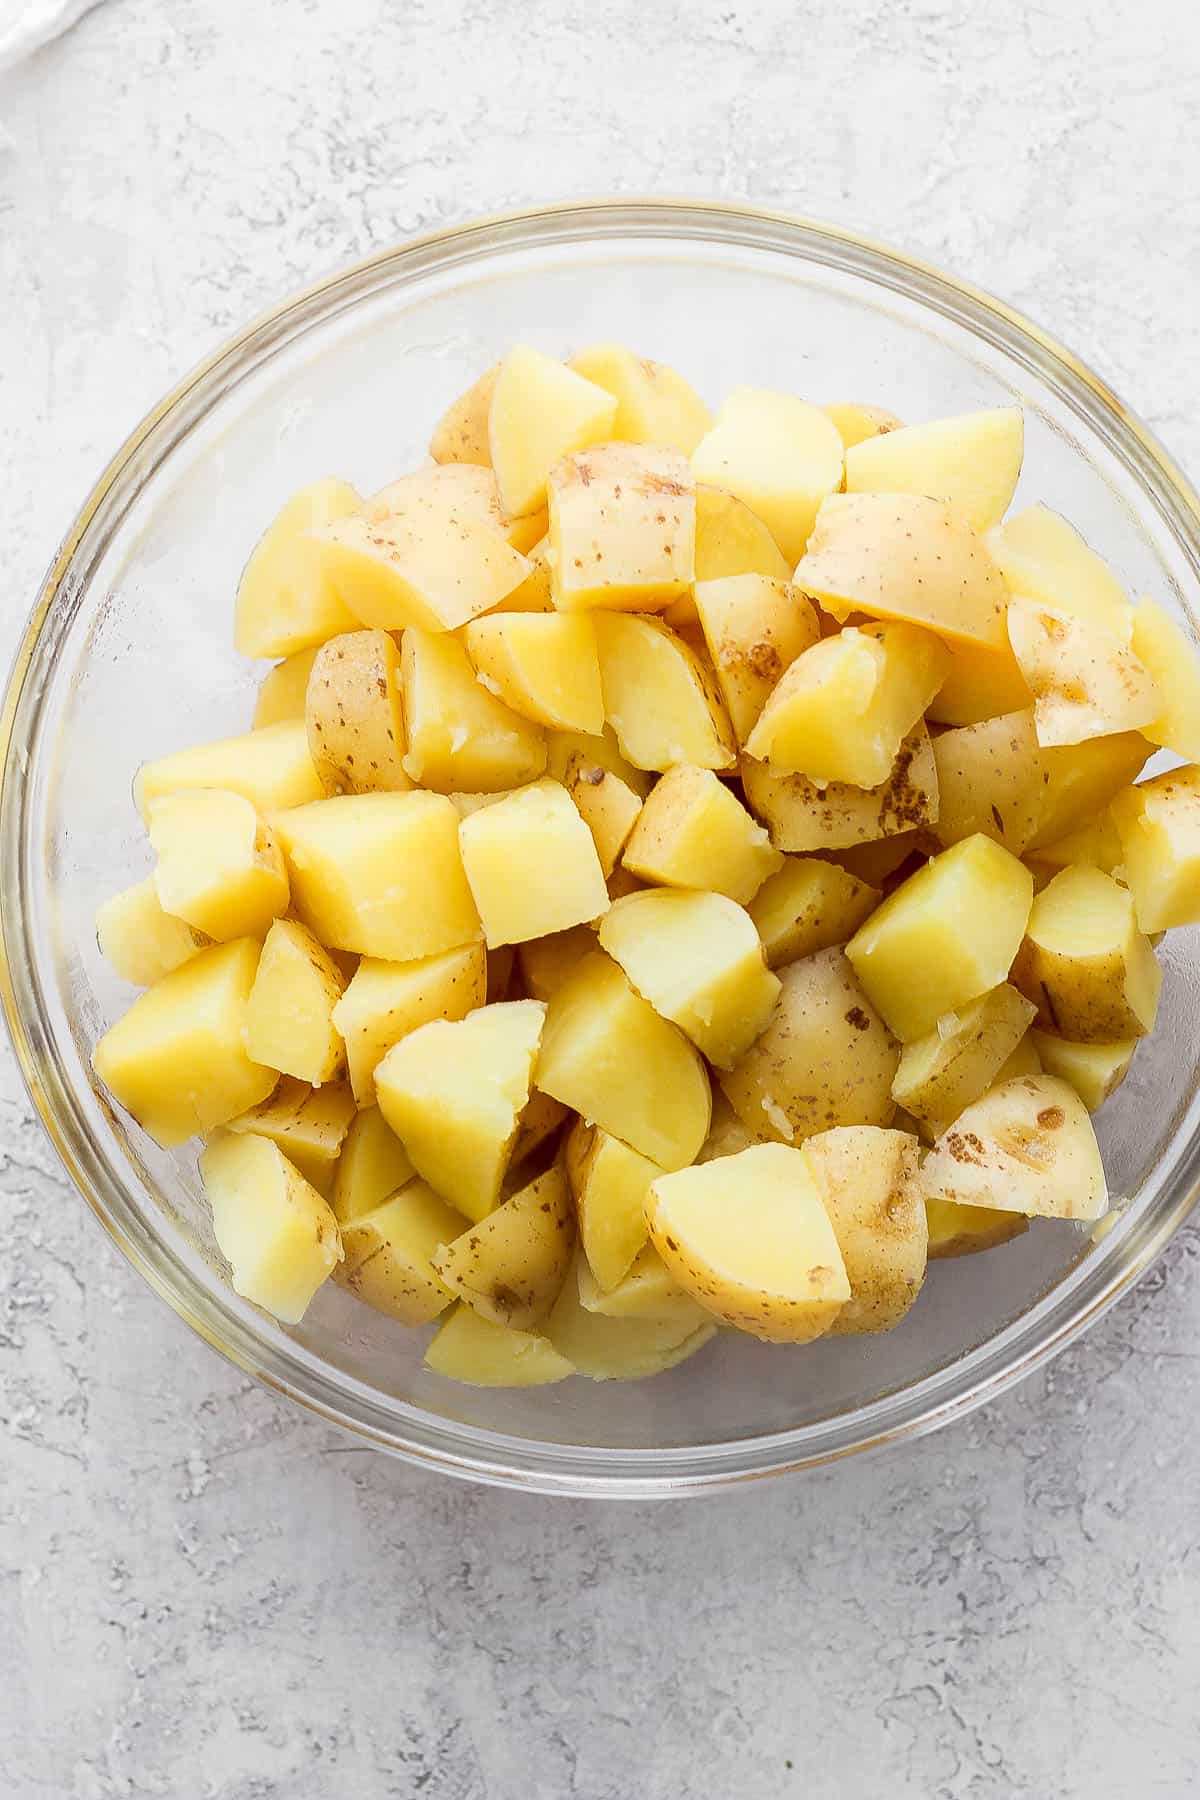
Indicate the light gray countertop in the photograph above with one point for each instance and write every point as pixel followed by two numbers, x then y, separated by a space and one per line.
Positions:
pixel 205 1594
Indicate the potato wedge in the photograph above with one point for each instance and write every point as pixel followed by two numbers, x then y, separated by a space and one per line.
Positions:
pixel 956 1230
pixel 384 1001
pixel 540 411
pixel 693 832
pixel 390 1251
pixel 802 815
pixel 1092 975
pixel 1158 824
pixel 463 491
pixel 309 1125
pixel 622 529
pixel 285 601
pixel 427 566
pixel 687 723
pixel 1094 1070
pixel 609 1182
pixel 219 868
pixel 461 434
pixel 733 540
pixel 274 1230
pixel 655 405
pixel 469 1348
pixel 777 454
pixel 1085 682
pixel 869 1181
pixel 461 739
pixel 1043 558
pixel 510 1265
pixel 282 690
pixel 990 780
pixel 809 905
pixel 532 866
pixel 620 1349
pixel 856 423
pixel 372 1167
pixel 270 768
pixel 290 1016
pixel 755 628
pixel 353 715
pixel 1170 658
pixel 544 665
pixel 1026 1147
pixel 971 462
pixel 141 941
pixel 1079 780
pixel 954 1064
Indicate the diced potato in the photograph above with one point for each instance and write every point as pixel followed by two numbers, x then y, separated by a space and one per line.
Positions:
pixel 176 1060
pixel 971 462
pixel 870 1184
pixel 1080 780
pixel 990 780
pixel 464 491
pixel 452 1092
pixel 1158 824
pixel 274 1230
pixel 956 1062
pixel 749 1237
pixel 1026 1147
pixel 141 941
pixel 755 628
pixel 532 865
pixel 857 423
pixel 461 434
pixel 655 405
pixel 801 815
pixel 693 832
pixel 647 1290
pixel 380 874
pixel 540 411
pixel 824 1059
pixel 1085 683
pixel 290 1022
pixel 733 540
pixel 308 1124
pixel 945 936
pixel 285 602
pixel 1043 558
pixel 510 1265
pixel 624 1348
pixel 353 715
pixel 461 739
pixel 608 1055
pixel 622 529
pixel 540 1119
pixel 384 1001
pixel 1094 1070
pixel 283 688
pixel 547 962
pixel 469 1348
pixel 956 1230
pixel 777 454
pixel 1091 973
pixel 271 768
pixel 373 1166
pixel 981 683
pixel 543 665
pixel 697 958
pixel 844 707
pixel 904 556
pixel 609 1182
pixel 809 905
pixel 219 867
pixel 659 697
pixel 426 567
pixel 390 1252
pixel 1170 657
pixel 1097 842
pixel 607 790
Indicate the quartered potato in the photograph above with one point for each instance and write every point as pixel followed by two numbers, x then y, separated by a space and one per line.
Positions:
pixel 971 462
pixel 803 814
pixel 869 1181
pixel 271 1225
pixel 353 714
pixel 622 531
pixel 693 832
pixel 778 455
pixel 1025 1147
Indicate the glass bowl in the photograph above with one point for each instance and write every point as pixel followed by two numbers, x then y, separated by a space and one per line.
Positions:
pixel 128 654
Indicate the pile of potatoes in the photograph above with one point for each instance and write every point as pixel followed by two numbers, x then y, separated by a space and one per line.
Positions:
pixel 683 874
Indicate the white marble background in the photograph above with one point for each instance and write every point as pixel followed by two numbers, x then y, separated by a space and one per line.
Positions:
pixel 206 1596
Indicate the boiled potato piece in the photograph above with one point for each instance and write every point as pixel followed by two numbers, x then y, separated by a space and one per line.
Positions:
pixel 622 529
pixel 461 739
pixel 1158 824
pixel 809 905
pixel 1094 1070
pixel 777 454
pixel 469 1348
pixel 607 790
pixel 956 1230
pixel 547 962
pixel 380 874
pixel 824 1059
pixel 647 1290
pixel 733 540
pixel 271 768
pixel 461 434
pixel 870 1184
pixel 755 628
pixel 274 1230
pixel 176 1060
pixel 655 405
pixel 1079 780
pixel 609 1182
pixel 373 1166
pixel 141 941
pixel 955 1063
pixel 540 1119
pixel 945 936
pixel 693 832
pixel 510 1265
pixel 620 1349
pixel 980 683
pixel 844 707
pixel 1170 658
pixel 384 1001
pixel 290 1023
pixel 465 492
pixel 532 866
pixel 427 566
pixel 990 780
pixel 1026 1147
pixel 686 721
pixel 353 715
pixel 905 556
pixel 1098 842
pixel 308 1124
pixel 540 411
pixel 1091 973
pixel 1043 558
pixel 1085 682
pixel 804 815
pixel 285 602
pixel 282 691
pixel 971 462
pixel 452 1092
pixel 750 1238
pixel 608 1055
pixel 219 867
pixel 544 665
pixel 697 958
pixel 857 423
pixel 390 1252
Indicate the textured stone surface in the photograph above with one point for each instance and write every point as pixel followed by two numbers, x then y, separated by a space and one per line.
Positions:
pixel 204 1593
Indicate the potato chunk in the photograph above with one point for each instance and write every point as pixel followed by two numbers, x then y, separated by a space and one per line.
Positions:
pixel 380 874
pixel 733 540
pixel 461 739
pixel 777 454
pixel 1025 1147
pixel 461 434
pixel 856 423
pixel 990 780
pixel 1094 1070
pixel 954 1064
pixel 176 1060
pixel 308 1124
pixel 809 905
pixel 655 405
pixel 353 715
pixel 271 768
pixel 390 1252
pixel 869 1181
pixel 622 529
pixel 1091 973
pixel 621 1348
pixel 971 462
pixel 956 1230
pixel 609 1182
pixel 693 832
pixel 290 1023
pixel 540 411
pixel 803 815
pixel 647 1290
pixel 285 602
pixel 698 960
pixel 755 628
pixel 510 1265
pixel 469 1348
pixel 219 867
pixel 384 1001
pixel 1043 558
pixel 427 566
pixel 1085 682
pixel 465 492
pixel 141 941
pixel 532 865
pixel 282 689
pixel 607 790
pixel 372 1167
pixel 1158 824
pixel 452 1091
pixel 686 721
pixel 608 1055
pixel 945 936
pixel 274 1230
pixel 544 665
pixel 980 683
pixel 1079 780
pixel 1170 658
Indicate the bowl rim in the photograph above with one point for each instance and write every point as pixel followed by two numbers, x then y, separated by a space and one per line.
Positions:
pixel 475 1453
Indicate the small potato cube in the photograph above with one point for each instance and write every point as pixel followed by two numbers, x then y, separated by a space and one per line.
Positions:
pixel 856 423
pixel 373 1166
pixel 277 1234
pixel 547 962
pixel 777 454
pixel 625 1348
pixel 380 874
pixel 1079 780
pixel 971 462
pixel 290 1022
pixel 464 491
pixel 1088 969
pixel 870 1183
pixel 809 905
pixel 1043 558
pixel 283 688
pixel 659 697
pixel 1170 658
pixel 655 405
pixel 1085 683
pixel 461 739
pixel 219 867
pixel 353 715
pixel 271 768
pixel 384 1001
pixel 469 1348
pixel 428 566
pixel 532 865
pixel 176 1060
pixel 945 936
pixel 608 1055
pixel 954 1064
pixel 141 941
pixel 990 780
pixel 733 540
pixel 1025 1147
pixel 1158 824
pixel 981 683
pixel 390 1252
pixel 956 1230
pixel 622 529
pixel 285 602
pixel 308 1124
pixel 647 1290
pixel 694 832
pixel 698 960
pixel 607 790
pixel 461 434
pixel 804 815
pixel 1094 1070
pixel 609 1182
pixel 755 628
pixel 544 665
pixel 510 1266
pixel 452 1092
pixel 540 411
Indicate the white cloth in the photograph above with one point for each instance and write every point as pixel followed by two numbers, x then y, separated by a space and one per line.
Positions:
pixel 25 25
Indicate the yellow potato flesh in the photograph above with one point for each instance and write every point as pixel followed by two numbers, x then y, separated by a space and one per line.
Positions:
pixel 547 962
pixel 804 815
pixel 609 1182
pixel 390 1252
pixel 1025 1147
pixel 755 628
pixel 980 683
pixel 1094 1070
pixel 1085 965
pixel 777 454
pixel 622 529
pixel 733 540
pixel 271 768
pixel 461 434
pixel 954 1064
pixel 471 1349
pixel 511 1265
pixel 869 1183
pixel 384 1001
pixel 990 780
pixel 647 1290
pixel 655 405
pixel 1170 658
pixel 141 941
pixel 461 739
pixel 282 691
pixel 290 1021
pixel 1158 824
pixel 285 601
pixel 372 1167
pixel 1079 780
pixel 971 462
pixel 1085 682
pixel 1098 843
pixel 353 715
pixel 540 411
pixel 856 423
pixel 607 790
pixel 1045 559
pixel 219 868
pixel 273 1228
pixel 956 1230
pixel 463 490
pixel 620 1349
pixel 809 905
pixel 532 865
pixel 659 697
pixel 427 566
pixel 308 1124
pixel 543 665
pixel 693 832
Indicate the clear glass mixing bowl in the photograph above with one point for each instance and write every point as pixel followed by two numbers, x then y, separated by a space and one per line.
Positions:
pixel 128 654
